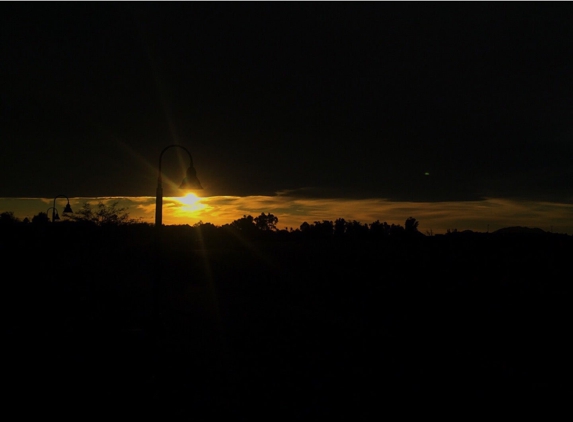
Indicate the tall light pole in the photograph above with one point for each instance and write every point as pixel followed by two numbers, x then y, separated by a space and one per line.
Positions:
pixel 159 288
pixel 189 182
pixel 67 209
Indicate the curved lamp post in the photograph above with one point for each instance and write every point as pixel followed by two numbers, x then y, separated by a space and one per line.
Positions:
pixel 67 209
pixel 189 182
pixel 55 215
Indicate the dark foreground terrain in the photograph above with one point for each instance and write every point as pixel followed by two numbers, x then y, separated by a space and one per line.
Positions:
pixel 118 322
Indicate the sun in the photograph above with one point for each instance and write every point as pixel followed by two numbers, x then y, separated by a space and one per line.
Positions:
pixel 190 203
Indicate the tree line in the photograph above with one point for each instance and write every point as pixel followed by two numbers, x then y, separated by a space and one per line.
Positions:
pixel 265 224
pixel 114 215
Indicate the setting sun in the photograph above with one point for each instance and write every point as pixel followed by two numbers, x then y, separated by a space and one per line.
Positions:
pixel 190 203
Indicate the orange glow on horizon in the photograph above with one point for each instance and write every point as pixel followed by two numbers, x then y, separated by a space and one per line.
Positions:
pixel 438 217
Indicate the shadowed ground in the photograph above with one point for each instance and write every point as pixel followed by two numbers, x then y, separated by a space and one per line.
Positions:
pixel 297 328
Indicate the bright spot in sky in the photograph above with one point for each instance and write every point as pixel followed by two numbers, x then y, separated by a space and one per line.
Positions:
pixel 190 203
pixel 426 174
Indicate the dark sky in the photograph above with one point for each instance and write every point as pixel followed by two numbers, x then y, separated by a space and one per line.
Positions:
pixel 328 99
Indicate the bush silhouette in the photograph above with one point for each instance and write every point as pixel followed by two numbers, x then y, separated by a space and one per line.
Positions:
pixel 101 215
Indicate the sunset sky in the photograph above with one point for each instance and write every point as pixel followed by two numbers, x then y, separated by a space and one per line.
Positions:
pixel 459 114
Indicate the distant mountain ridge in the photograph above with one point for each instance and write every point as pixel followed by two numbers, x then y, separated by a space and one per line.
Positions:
pixel 508 231
pixel 520 230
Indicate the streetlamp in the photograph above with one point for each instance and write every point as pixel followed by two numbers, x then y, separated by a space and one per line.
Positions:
pixel 159 286
pixel 67 209
pixel 55 215
pixel 189 182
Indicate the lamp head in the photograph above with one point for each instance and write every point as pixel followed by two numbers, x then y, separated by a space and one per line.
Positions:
pixel 56 215
pixel 68 209
pixel 191 181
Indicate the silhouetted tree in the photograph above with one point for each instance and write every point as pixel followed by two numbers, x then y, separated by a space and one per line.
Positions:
pixel 411 225
pixel 396 230
pixel 356 229
pixel 339 227
pixel 205 226
pixel 205 232
pixel 102 215
pixel 7 217
pixel 381 230
pixel 266 222
pixel 378 229
pixel 41 218
pixel 322 229
pixel 244 224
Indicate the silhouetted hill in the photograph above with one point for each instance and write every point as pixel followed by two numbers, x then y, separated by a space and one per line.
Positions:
pixel 520 230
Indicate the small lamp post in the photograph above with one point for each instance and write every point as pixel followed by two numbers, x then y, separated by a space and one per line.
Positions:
pixel 55 215
pixel 189 182
pixel 67 209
